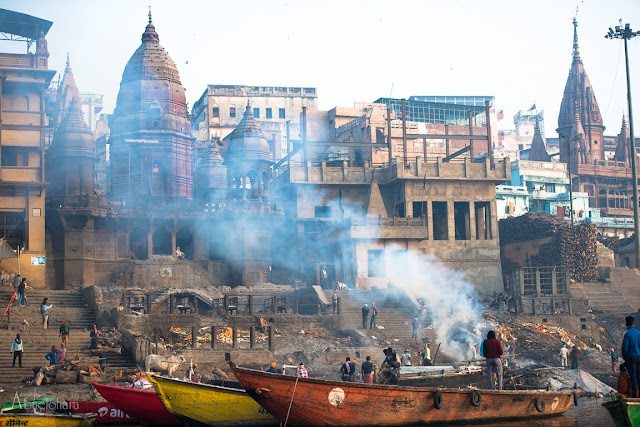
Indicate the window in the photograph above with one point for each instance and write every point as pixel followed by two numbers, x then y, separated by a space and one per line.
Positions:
pixel 268 113
pixel 215 112
pixel 232 112
pixel 256 113
pixel 380 136
pixel 440 221
pixel 281 113
pixel 375 263
pixel 461 219
pixel 9 156
pixel 323 211
pixel 419 209
pixel 550 188
pixel 483 220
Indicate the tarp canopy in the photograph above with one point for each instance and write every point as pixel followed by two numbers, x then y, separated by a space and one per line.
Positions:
pixel 23 25
pixel 5 250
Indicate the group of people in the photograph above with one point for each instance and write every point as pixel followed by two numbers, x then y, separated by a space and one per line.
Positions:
pixel 572 356
pixel 55 356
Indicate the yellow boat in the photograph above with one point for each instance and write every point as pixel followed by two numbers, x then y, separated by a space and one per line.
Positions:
pixel 209 404
pixel 46 420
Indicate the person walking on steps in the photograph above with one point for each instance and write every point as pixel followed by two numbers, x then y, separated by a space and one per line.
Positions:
pixel 365 316
pixel 374 314
pixel 44 310
pixel 64 332
pixel 22 292
pixel 16 349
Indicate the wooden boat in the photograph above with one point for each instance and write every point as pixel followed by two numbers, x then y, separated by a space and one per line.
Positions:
pixel 105 411
pixel 27 404
pixel 624 411
pixel 316 402
pixel 143 405
pixel 210 404
pixel 46 420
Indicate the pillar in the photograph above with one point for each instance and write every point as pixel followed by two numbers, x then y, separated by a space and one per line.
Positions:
pixel 194 338
pixel 252 336
pixel 429 206
pixel 472 220
pixel 271 341
pixel 451 220
pixel 173 239
pixel 213 337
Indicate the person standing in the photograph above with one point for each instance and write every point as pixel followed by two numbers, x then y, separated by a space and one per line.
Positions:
pixel 374 314
pixel 94 335
pixel 64 332
pixel 564 356
pixel 492 350
pixel 334 300
pixel 405 358
pixel 367 371
pixel 614 360
pixel 631 353
pixel 574 355
pixel 16 348
pixel 52 356
pixel 365 315
pixel 324 277
pixel 346 370
pixel 302 372
pixel 62 353
pixel 415 325
pixel 22 292
pixel 44 310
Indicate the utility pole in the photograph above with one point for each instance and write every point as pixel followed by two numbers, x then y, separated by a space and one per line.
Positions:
pixel 627 33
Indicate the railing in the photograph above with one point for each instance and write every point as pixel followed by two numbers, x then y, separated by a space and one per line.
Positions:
pixel 540 290
pixel 394 221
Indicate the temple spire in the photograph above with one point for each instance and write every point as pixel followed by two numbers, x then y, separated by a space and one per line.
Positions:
pixel 576 48
pixel 149 14
pixel 68 68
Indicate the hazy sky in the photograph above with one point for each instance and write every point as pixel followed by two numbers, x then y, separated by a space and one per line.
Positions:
pixel 518 51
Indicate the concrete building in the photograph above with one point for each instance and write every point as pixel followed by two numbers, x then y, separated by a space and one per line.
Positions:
pixel 24 79
pixel 512 200
pixel 277 109
pixel 547 185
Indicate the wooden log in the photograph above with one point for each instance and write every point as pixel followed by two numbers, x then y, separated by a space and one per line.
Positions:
pixel 66 377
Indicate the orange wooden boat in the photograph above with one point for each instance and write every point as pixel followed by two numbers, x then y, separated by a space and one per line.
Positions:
pixel 315 402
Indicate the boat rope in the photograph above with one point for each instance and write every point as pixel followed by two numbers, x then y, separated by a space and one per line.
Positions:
pixel 291 403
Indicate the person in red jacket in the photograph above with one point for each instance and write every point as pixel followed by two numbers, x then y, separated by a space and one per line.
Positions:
pixel 492 350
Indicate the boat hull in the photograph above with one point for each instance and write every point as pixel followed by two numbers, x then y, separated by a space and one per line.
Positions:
pixel 319 402
pixel 105 411
pixel 45 420
pixel 208 404
pixel 143 405
pixel 624 411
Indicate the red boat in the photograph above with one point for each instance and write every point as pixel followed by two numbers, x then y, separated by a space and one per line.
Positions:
pixel 143 405
pixel 315 402
pixel 107 413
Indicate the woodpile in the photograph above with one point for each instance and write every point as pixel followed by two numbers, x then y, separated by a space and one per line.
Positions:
pixel 574 247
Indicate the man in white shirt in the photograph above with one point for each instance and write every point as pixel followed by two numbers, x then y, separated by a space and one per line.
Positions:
pixel 564 356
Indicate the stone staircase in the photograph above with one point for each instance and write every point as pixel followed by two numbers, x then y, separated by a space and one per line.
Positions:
pixel 68 305
pixel 627 281
pixel 602 297
pixel 392 315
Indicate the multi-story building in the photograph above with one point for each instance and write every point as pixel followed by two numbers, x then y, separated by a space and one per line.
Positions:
pixel 221 107
pixel 24 79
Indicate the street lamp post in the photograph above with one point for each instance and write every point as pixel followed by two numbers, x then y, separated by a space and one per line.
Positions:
pixel 625 34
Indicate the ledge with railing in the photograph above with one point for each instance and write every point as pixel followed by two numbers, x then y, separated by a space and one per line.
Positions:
pixel 540 290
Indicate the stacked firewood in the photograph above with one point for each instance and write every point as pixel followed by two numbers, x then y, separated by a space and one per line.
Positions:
pixel 573 247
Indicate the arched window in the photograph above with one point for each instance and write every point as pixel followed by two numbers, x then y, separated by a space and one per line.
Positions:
pixel 233 182
pixel 252 180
